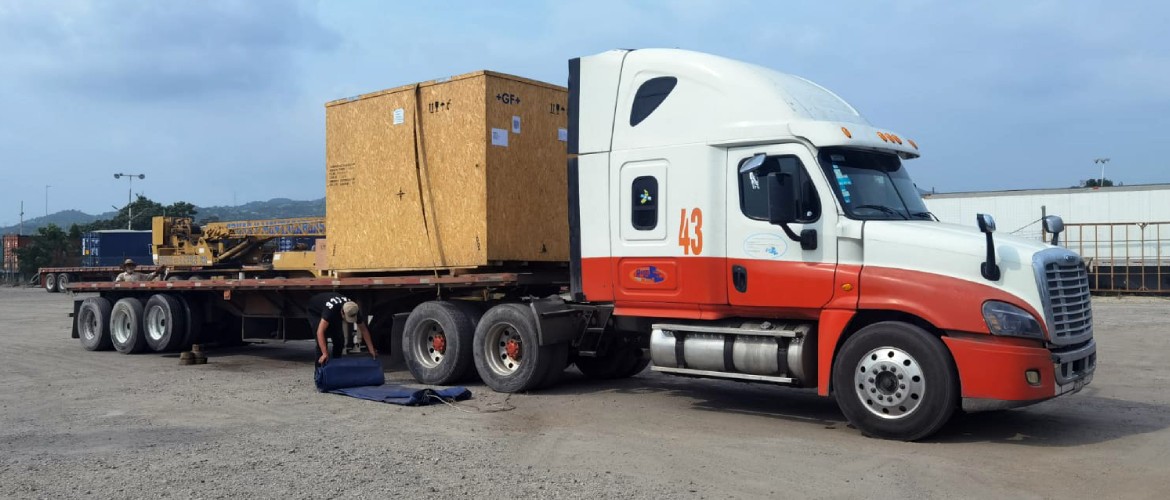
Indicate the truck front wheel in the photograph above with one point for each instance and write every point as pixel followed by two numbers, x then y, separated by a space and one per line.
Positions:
pixel 894 380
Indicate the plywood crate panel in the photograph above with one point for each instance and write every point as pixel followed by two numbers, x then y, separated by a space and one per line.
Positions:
pixel 414 179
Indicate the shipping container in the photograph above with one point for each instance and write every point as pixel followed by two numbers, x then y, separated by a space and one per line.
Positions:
pixel 12 243
pixel 467 171
pixel 112 247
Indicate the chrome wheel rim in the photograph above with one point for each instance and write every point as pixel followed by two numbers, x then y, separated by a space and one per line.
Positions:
pixel 120 327
pixel 156 323
pixel 89 326
pixel 431 346
pixel 889 382
pixel 504 349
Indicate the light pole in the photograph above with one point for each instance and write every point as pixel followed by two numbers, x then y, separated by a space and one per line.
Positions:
pixel 47 200
pixel 1102 161
pixel 130 195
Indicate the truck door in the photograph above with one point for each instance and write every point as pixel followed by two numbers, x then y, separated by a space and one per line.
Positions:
pixel 765 268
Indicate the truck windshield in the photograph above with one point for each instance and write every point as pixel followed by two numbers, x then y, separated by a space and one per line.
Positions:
pixel 872 185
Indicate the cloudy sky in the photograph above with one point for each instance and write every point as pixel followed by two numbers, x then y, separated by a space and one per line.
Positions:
pixel 222 101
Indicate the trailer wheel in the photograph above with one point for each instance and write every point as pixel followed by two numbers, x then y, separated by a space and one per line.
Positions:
pixel 193 333
pixel 93 324
pixel 437 341
pixel 507 351
pixel 894 380
pixel 50 283
pixel 164 323
pixel 126 326
pixel 62 282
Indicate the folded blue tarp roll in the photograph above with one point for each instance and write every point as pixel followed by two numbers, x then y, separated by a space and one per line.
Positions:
pixel 340 373
pixel 362 378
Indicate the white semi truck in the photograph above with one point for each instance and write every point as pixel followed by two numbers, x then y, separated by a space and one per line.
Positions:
pixel 726 221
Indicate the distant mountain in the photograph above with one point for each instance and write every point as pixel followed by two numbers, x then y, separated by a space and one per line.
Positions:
pixel 276 208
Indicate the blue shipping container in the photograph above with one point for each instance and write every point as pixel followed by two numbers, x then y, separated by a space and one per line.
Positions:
pixel 111 248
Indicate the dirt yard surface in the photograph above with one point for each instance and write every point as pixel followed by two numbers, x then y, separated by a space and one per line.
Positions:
pixel 75 423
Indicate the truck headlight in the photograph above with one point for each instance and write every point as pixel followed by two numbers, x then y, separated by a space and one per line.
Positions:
pixel 1005 319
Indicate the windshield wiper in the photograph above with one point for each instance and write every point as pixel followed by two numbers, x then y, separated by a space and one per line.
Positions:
pixel 927 215
pixel 885 209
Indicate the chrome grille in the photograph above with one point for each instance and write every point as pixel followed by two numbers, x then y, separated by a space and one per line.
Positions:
pixel 1069 308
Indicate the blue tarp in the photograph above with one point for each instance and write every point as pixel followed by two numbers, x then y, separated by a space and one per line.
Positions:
pixel 362 378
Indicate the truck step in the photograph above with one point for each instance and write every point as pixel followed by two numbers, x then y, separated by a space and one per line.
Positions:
pixel 688 372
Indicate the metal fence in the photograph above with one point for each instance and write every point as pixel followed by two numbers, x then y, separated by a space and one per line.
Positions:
pixel 1123 257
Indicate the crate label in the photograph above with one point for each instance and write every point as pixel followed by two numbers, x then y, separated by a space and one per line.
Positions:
pixel 563 135
pixel 399 116
pixel 341 174
pixel 515 124
pixel 500 137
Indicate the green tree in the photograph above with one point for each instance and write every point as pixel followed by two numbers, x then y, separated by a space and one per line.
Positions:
pixel 1091 183
pixel 51 247
pixel 144 209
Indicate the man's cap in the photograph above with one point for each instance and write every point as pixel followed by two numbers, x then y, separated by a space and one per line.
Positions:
pixel 349 311
pixel 129 263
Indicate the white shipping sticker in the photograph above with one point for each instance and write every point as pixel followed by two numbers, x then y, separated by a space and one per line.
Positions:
pixel 562 135
pixel 515 124
pixel 399 116
pixel 499 137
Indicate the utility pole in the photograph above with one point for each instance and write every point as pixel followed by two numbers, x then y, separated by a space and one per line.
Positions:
pixel 20 228
pixel 47 200
pixel 1102 161
pixel 130 196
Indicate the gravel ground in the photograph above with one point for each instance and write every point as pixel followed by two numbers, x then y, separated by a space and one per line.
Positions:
pixel 249 424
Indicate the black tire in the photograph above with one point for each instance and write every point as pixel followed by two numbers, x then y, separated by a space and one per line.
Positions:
pixel 437 341
pixel 126 332
pixel 93 324
pixel 50 283
pixel 622 362
pixel 509 328
pixel 906 366
pixel 62 282
pixel 193 334
pixel 164 323
pixel 558 362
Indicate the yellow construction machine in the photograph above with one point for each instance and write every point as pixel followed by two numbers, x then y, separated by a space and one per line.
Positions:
pixel 237 249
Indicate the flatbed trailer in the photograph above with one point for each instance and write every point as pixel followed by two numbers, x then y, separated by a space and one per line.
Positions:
pixel 60 279
pixel 177 314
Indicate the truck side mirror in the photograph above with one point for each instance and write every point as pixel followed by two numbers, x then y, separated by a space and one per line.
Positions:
pixel 989 269
pixel 782 198
pixel 1055 225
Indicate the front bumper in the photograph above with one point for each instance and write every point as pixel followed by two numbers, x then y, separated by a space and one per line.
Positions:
pixel 995 369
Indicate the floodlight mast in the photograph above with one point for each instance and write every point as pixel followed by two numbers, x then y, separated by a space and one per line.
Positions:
pixel 129 196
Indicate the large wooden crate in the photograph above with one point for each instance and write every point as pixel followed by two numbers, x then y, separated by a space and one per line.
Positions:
pixel 455 173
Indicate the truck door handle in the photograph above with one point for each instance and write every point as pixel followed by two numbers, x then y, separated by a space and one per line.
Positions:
pixel 739 278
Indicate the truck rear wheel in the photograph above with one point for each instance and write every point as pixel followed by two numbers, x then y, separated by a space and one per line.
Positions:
pixel 164 323
pixel 508 354
pixel 93 324
pixel 62 282
pixel 894 380
pixel 437 341
pixel 50 282
pixel 126 326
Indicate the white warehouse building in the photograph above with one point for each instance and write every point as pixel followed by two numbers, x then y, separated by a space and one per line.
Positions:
pixel 1115 228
